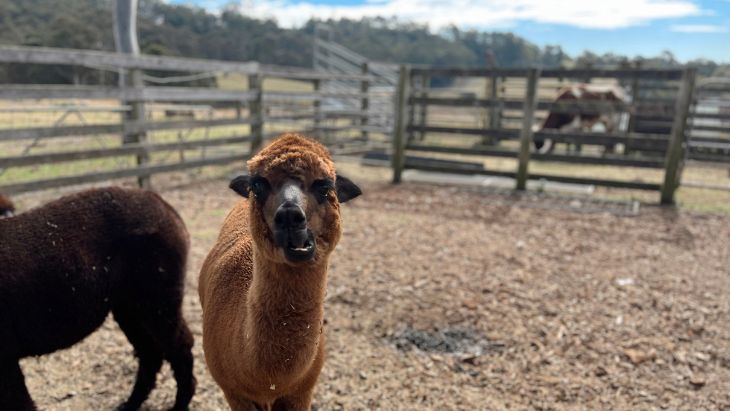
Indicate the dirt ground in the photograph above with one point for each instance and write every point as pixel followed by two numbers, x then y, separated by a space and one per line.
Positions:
pixel 452 299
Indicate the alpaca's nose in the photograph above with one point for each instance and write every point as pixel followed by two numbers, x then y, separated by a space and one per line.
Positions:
pixel 290 216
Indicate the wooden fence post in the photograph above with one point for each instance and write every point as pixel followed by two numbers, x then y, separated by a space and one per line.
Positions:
pixel 528 115
pixel 364 102
pixel 125 39
pixel 423 117
pixel 675 151
pixel 411 108
pixel 256 112
pixel 634 108
pixel 494 110
pixel 317 106
pixel 399 129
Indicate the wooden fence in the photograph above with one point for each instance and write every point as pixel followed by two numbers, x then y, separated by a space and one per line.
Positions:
pixel 226 125
pixel 501 136
pixel 331 57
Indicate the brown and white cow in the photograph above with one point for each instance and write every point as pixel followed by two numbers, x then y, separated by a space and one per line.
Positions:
pixel 605 121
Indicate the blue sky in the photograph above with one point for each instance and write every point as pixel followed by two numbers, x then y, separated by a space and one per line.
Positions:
pixel 688 28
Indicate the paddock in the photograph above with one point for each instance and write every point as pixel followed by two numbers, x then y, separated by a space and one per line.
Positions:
pixel 459 298
pixel 441 296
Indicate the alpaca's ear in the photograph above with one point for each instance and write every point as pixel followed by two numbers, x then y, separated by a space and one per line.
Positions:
pixel 241 185
pixel 346 189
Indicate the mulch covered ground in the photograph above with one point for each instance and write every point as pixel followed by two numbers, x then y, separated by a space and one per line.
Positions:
pixel 451 299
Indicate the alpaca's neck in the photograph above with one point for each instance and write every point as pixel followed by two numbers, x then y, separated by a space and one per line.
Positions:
pixel 284 313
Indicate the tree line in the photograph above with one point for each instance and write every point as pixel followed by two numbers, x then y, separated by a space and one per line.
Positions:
pixel 179 30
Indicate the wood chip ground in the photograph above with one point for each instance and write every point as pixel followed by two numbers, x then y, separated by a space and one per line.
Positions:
pixel 449 299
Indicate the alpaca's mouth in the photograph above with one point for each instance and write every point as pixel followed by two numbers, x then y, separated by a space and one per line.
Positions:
pixel 300 248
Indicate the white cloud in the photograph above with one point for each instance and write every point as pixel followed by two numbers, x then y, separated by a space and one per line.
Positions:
pixel 699 28
pixel 481 13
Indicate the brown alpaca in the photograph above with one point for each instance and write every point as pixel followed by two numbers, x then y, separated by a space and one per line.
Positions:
pixel 262 286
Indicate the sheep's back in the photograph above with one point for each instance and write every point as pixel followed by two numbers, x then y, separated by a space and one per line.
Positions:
pixel 64 265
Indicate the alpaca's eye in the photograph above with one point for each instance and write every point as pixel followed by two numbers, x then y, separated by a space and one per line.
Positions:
pixel 259 187
pixel 321 188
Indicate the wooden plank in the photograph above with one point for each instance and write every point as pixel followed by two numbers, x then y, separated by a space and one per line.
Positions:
pixel 566 107
pixel 357 127
pixel 136 126
pixel 317 107
pixel 495 112
pixel 11 134
pixel 312 116
pixel 308 96
pixel 636 185
pixel 187 94
pixel 16 188
pixel 722 160
pixel 716 116
pixel 453 101
pixel 708 140
pixel 677 148
pixel 65 108
pixel 654 142
pixel 664 74
pixel 637 141
pixel 125 40
pixel 256 108
pixel 31 133
pixel 502 134
pixel 400 126
pixel 562 158
pixel 137 115
pixel 423 112
pixel 364 101
pixel 125 150
pixel 94 59
pixel 342 52
pixel 720 127
pixel 651 74
pixel 296 73
pixel 467 72
pixel 526 131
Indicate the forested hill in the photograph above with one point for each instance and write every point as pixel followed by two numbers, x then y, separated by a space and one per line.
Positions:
pixel 187 31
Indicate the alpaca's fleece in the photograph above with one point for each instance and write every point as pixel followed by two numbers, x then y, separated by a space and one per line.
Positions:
pixel 294 155
pixel 263 316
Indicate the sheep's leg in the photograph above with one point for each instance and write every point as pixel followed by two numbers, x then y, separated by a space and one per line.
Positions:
pixel 13 392
pixel 148 353
pixel 178 351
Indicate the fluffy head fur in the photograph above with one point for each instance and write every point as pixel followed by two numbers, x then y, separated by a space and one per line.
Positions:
pixel 293 154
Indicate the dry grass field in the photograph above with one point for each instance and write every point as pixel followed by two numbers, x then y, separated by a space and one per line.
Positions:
pixel 444 298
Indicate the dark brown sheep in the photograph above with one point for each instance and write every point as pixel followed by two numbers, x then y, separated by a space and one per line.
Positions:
pixel 66 265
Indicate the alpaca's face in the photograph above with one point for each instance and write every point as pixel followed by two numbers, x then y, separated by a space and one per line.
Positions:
pixel 295 218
